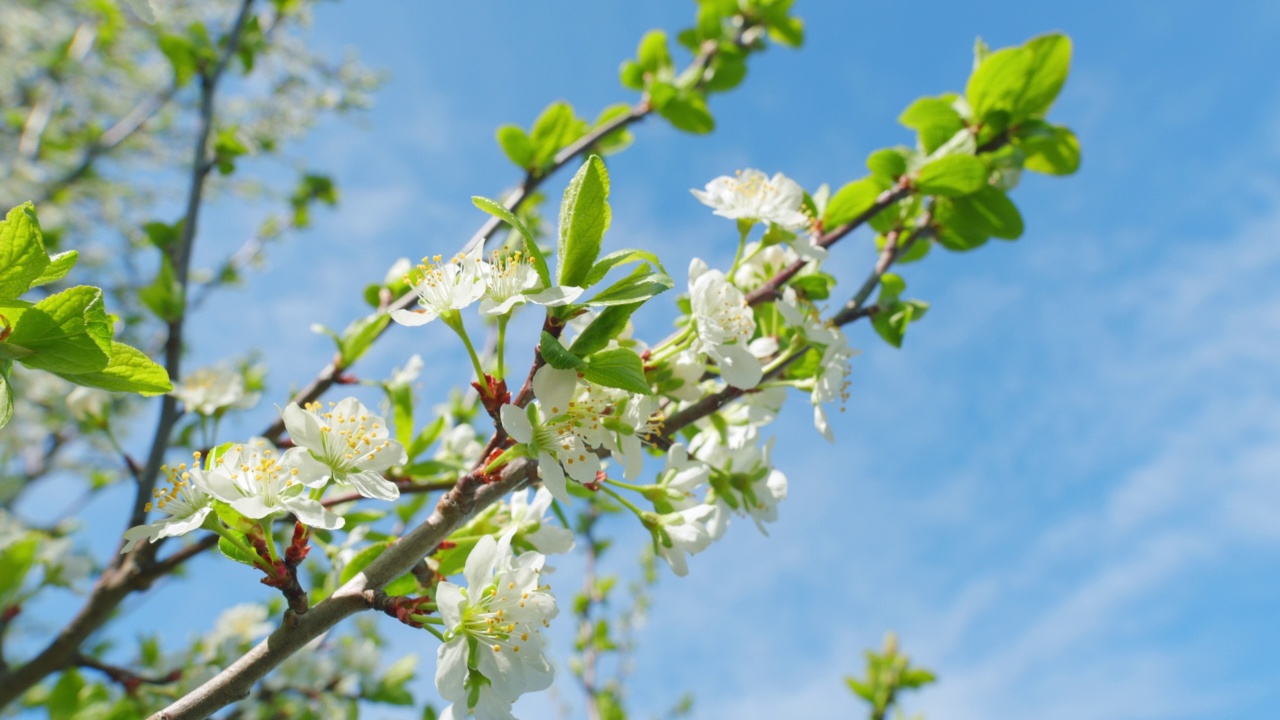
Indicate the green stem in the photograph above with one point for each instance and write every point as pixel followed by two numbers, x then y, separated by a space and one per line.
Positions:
pixel 454 320
pixel 269 537
pixel 426 619
pixel 744 229
pixel 633 488
pixel 625 502
pixel 502 344
pixel 212 525
pixel 433 631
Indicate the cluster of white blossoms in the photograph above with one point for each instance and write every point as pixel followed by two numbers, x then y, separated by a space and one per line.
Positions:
pixel 494 650
pixel 508 279
pixel 344 444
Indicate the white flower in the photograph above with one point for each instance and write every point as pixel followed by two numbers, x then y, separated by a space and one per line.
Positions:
pixel 757 485
pixel 688 367
pixel 412 369
pixel 258 484
pixel 683 533
pixel 682 475
pixel 724 324
pixel 830 381
pixel 185 504
pixel 633 418
pixel 238 625
pixel 211 389
pixel 761 264
pixel 86 404
pixel 444 287
pixel 510 280
pixel 752 196
pixel 494 626
pixel 351 441
pixel 528 519
pixel 758 407
pixel 555 441
pixel 460 443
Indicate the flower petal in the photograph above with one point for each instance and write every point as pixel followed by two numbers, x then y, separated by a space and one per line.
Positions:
pixel 516 423
pixel 373 485
pixel 413 318
pixel 556 296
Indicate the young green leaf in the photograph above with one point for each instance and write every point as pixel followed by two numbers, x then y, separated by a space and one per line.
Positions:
pixel 952 175
pixel 22 255
pixel 619 257
pixel 642 284
pixel 584 218
pixel 605 327
pixel 934 119
pixel 517 145
pixel 850 201
pixel 889 163
pixel 617 368
pixel 6 393
pixel 990 212
pixel 128 371
pixel 1050 149
pixel 998 83
pixel 1050 62
pixel 557 356
pixel 501 212
pixel 67 332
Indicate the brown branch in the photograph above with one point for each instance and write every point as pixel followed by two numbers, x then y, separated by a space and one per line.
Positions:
pixel 181 259
pixel 128 679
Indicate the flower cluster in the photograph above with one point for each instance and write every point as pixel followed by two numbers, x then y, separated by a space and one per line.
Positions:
pixel 345 444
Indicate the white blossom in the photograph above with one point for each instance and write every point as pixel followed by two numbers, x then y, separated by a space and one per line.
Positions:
pixel 236 626
pixel 556 440
pixel 511 280
pixel 683 533
pixel 751 195
pixel 688 367
pixel 402 377
pixel 460 443
pixel 185 504
pixel 85 403
pixel 444 287
pixel 682 475
pixel 724 325
pixel 528 519
pixel 352 442
pixel 258 482
pixel 494 625
pixel 211 389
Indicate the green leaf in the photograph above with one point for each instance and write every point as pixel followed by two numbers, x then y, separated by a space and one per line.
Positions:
pixel 789 32
pixel 6 393
pixel 605 327
pixel 22 255
pixel 850 201
pixel 584 218
pixel 361 561
pixel 128 371
pixel 688 111
pixel 617 140
pixel 891 286
pixel 617 368
pixel 501 212
pixel 59 266
pixel 16 560
pixel 554 129
pixel 64 699
pixel 164 295
pixel 1050 149
pixel 619 257
pixel 1050 63
pixel 557 356
pixel 231 552
pixel 934 119
pixel 68 332
pixel 952 175
pixel 889 163
pixel 517 145
pixel 728 69
pixel 360 335
pixel 642 284
pixel 991 210
pixel 998 83
pixel 653 55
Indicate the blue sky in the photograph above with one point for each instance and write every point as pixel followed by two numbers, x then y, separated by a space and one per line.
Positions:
pixel 1062 492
